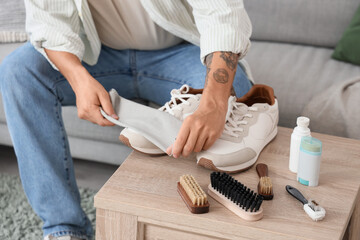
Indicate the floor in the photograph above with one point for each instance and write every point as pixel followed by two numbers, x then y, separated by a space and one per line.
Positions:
pixel 88 174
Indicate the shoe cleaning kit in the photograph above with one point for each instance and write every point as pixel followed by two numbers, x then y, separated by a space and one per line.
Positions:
pixel 236 151
pixel 305 157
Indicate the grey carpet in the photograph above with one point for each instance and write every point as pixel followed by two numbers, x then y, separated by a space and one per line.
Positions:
pixel 18 220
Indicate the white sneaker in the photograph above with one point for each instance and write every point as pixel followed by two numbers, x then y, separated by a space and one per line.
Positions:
pixel 250 126
pixel 183 102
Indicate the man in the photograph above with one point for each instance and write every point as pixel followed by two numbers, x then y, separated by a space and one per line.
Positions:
pixel 136 47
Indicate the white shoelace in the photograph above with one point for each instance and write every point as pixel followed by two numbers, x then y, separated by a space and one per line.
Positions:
pixel 177 95
pixel 236 118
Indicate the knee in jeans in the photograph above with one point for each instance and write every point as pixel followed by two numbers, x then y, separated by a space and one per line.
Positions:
pixel 18 68
pixel 9 72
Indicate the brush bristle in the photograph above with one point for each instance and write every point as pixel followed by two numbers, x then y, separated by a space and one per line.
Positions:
pixel 236 192
pixel 265 186
pixel 193 190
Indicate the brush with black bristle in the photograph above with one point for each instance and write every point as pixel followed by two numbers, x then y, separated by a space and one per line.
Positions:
pixel 235 196
pixel 265 187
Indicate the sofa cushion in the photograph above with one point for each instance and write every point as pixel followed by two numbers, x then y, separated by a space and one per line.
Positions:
pixel 310 22
pixel 12 21
pixel 297 74
pixel 337 109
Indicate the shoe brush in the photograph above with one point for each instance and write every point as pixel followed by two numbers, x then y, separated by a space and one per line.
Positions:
pixel 192 194
pixel 265 187
pixel 235 196
pixel 311 207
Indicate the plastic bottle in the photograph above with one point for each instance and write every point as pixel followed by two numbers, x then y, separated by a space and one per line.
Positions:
pixel 300 131
pixel 309 161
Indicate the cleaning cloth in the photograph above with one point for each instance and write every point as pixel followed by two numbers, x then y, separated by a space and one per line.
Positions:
pixel 158 127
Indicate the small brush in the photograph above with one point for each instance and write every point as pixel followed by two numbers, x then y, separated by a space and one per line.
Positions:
pixel 235 196
pixel 192 194
pixel 312 208
pixel 265 187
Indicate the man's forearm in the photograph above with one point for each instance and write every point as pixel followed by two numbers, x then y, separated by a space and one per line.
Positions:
pixel 220 73
pixel 90 94
pixel 69 65
pixel 200 130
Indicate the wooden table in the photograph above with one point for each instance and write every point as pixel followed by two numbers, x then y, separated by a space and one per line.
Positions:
pixel 140 200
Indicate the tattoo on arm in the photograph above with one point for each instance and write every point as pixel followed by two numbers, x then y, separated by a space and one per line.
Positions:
pixel 230 59
pixel 208 61
pixel 221 75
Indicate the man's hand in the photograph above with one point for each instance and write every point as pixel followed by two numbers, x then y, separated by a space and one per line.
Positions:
pixel 200 130
pixel 90 94
pixel 89 97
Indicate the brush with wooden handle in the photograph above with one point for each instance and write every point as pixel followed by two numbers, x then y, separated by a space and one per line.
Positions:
pixel 265 187
pixel 193 195
pixel 235 196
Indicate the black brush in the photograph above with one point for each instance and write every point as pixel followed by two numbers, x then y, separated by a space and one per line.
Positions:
pixel 235 196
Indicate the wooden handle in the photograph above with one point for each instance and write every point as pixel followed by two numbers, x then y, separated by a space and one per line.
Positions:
pixel 262 170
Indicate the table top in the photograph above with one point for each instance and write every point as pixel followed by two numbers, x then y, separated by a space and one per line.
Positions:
pixel 146 187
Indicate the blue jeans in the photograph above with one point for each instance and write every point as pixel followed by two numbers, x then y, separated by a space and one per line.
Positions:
pixel 33 93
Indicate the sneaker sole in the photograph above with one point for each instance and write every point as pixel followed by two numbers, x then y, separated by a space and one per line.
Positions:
pixel 207 163
pixel 126 141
